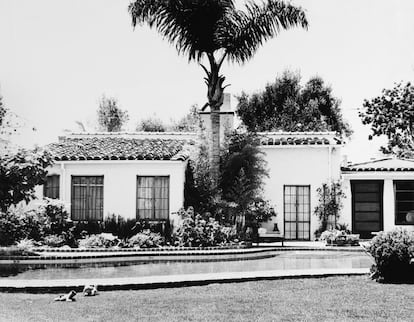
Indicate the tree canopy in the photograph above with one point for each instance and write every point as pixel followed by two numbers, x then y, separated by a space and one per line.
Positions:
pixel 110 117
pixel 287 105
pixel 190 122
pixel 392 114
pixel 151 124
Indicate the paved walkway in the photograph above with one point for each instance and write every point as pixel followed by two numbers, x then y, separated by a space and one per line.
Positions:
pixel 150 282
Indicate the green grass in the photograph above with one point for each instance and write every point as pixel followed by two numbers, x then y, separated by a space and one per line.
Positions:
pixel 325 299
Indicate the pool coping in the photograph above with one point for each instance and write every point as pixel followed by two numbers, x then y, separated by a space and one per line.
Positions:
pixel 169 281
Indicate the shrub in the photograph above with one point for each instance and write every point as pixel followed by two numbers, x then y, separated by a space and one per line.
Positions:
pixel 18 223
pixel 56 214
pixel 392 252
pixel 196 231
pixel 330 204
pixel 339 237
pixel 120 227
pixel 103 240
pixel 54 241
pixel 27 244
pixel 146 239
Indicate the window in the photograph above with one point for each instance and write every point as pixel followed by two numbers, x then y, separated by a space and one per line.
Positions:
pixel 153 198
pixel 87 198
pixel 404 202
pixel 51 187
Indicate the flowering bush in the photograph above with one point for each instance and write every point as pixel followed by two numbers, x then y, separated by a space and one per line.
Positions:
pixel 54 240
pixel 146 239
pixel 102 240
pixel 196 231
pixel 392 252
pixel 339 237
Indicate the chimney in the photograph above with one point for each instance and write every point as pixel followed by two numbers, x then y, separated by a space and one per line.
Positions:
pixel 226 119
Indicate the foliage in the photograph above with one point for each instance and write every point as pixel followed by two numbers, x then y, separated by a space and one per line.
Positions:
pixel 243 169
pixel 216 30
pixel 19 174
pixel 54 240
pixel 151 124
pixel 191 122
pixel 392 252
pixel 330 204
pixel 146 239
pixel 196 231
pixel 392 114
pixel 17 224
pixel 120 227
pixel 110 117
pixel 288 106
pixel 200 28
pixel 199 190
pixel 339 237
pixel 102 240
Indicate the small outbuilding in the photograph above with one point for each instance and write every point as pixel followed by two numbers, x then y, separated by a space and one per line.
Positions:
pixel 380 195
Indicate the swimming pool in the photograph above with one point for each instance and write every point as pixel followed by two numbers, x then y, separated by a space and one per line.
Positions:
pixel 282 260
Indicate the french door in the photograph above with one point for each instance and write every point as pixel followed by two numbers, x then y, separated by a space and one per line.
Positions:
pixel 297 212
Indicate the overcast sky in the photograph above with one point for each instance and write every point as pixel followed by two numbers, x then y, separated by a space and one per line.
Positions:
pixel 58 57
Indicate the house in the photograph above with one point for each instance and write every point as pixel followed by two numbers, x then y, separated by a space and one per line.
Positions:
pixel 142 175
pixel 128 174
pixel 380 195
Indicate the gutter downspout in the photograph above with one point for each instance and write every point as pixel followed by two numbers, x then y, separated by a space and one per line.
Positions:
pixel 63 181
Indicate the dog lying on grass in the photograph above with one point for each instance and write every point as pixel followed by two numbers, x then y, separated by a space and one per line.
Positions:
pixel 70 297
pixel 90 290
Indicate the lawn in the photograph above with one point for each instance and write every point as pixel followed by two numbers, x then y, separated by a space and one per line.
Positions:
pixel 323 299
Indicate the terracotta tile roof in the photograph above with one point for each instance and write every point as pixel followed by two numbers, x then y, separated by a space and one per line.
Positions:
pixel 386 164
pixel 298 138
pixel 118 148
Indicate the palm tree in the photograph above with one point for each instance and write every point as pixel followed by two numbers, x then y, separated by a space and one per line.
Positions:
pixel 215 30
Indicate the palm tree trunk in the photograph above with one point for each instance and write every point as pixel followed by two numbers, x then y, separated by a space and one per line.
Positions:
pixel 215 95
pixel 214 154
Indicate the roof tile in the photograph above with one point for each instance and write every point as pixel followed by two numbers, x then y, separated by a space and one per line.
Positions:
pixel 118 148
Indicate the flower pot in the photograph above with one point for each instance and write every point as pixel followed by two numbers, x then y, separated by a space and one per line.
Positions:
pixel 410 216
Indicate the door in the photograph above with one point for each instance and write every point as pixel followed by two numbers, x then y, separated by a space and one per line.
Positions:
pixel 367 215
pixel 297 212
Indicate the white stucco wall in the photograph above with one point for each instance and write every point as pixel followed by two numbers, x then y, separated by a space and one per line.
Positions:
pixel 120 182
pixel 388 195
pixel 299 165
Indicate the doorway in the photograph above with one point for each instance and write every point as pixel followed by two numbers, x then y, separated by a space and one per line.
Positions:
pixel 367 212
pixel 297 212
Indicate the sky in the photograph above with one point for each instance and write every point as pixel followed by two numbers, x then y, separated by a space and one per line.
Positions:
pixel 57 58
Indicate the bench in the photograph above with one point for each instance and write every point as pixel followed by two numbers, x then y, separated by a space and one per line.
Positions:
pixel 265 236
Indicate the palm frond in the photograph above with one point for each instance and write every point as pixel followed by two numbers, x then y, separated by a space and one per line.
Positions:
pixel 245 31
pixel 189 24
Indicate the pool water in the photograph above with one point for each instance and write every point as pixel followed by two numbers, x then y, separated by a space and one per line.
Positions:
pixel 285 260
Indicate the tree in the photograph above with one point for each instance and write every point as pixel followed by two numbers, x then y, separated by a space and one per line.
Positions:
pixel 288 106
pixel 110 117
pixel 151 124
pixel 191 122
pixel 20 171
pixel 392 114
pixel 216 30
pixel 19 174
